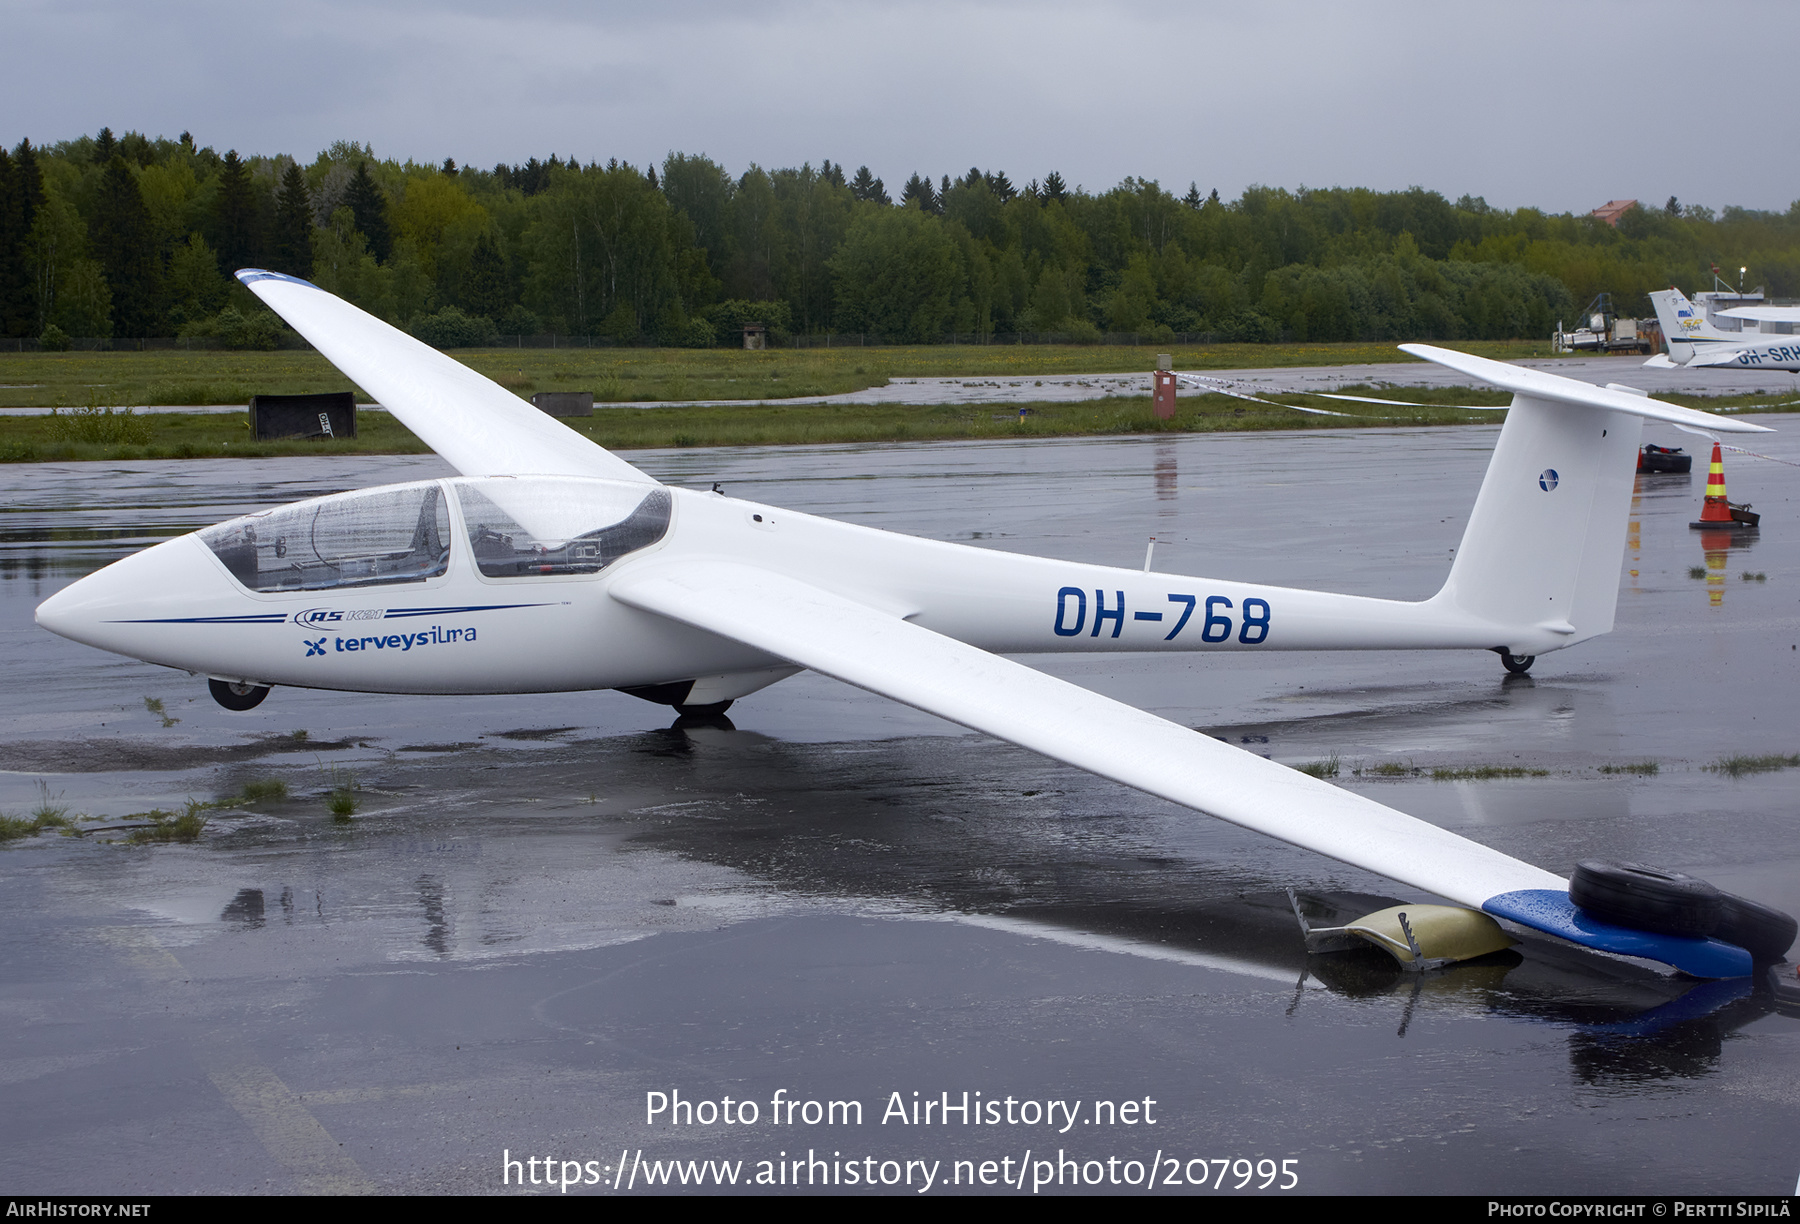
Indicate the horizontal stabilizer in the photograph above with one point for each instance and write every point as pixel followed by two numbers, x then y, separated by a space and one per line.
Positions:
pixel 1536 384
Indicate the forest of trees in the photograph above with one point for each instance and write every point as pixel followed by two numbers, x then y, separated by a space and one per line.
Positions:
pixel 134 237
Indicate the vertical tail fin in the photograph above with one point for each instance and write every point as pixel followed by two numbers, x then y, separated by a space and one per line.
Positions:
pixel 1540 558
pixel 1683 323
pixel 1542 549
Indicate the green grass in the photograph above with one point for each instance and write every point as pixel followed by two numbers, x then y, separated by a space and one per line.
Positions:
pixel 185 826
pixel 1738 766
pixel 1646 768
pixel 1485 773
pixel 267 790
pixel 12 827
pixel 222 377
pixel 342 800
pixel 1696 571
pixel 1328 768
pixel 1448 773
pixel 48 814
pixel 155 706
pixel 106 381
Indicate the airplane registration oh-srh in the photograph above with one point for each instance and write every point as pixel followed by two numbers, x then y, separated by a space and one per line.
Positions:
pixel 552 565
pixel 1695 341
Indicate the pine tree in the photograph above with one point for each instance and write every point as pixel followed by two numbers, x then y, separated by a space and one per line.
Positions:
pixel 104 147
pixel 487 290
pixel 918 193
pixel 1192 198
pixel 450 167
pixel 1001 186
pixel 234 228
pixel 21 194
pixel 120 237
pixel 943 190
pixel 368 207
pixel 1054 189
pixel 15 311
pixel 865 187
pixel 293 225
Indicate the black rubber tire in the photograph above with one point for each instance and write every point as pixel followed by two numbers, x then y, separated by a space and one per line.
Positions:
pixel 715 709
pixel 238 697
pixel 1761 930
pixel 1647 898
pixel 1518 665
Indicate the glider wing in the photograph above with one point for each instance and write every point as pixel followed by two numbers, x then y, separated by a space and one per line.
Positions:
pixel 885 654
pixel 478 426
pixel 882 653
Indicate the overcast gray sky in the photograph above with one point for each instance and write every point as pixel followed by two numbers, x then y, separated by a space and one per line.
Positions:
pixel 1558 105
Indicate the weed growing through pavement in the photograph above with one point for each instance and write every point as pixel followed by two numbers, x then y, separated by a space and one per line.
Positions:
pixel 268 790
pixel 1738 766
pixel 166 826
pixel 1646 768
pixel 155 706
pixel 342 799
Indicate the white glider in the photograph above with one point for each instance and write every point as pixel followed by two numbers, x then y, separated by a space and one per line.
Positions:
pixel 553 565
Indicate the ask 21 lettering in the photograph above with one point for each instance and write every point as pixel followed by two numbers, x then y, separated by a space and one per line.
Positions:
pixel 1219 619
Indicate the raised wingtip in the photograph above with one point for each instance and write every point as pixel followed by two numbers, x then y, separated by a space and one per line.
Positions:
pixel 250 276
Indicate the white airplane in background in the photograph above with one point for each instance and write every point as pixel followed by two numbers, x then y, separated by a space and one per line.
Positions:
pixel 1695 342
pixel 551 565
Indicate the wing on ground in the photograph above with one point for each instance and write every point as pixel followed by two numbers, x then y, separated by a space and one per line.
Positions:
pixel 884 654
pixel 478 426
pixel 879 652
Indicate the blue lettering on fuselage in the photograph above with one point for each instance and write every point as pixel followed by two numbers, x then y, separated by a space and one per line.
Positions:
pixel 1250 625
pixel 437 635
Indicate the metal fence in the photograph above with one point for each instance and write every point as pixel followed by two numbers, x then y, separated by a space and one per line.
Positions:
pixel 551 340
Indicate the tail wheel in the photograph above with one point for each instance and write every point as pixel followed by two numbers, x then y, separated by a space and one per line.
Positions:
pixel 236 695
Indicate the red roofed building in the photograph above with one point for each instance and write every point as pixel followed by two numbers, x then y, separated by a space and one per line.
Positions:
pixel 1612 210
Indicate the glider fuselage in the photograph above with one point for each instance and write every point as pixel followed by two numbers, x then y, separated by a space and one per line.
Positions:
pixel 463 629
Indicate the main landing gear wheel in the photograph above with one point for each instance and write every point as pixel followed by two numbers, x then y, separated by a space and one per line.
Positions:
pixel 234 695
pixel 714 710
pixel 1671 903
pixel 1763 931
pixel 1516 665
pixel 1647 898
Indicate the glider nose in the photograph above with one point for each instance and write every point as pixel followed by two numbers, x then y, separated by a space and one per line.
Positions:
pixel 88 610
pixel 112 607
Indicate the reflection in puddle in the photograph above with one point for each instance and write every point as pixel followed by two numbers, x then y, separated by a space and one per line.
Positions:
pixel 1717 547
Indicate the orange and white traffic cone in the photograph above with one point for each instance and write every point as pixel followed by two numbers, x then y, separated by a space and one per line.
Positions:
pixel 1716 512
